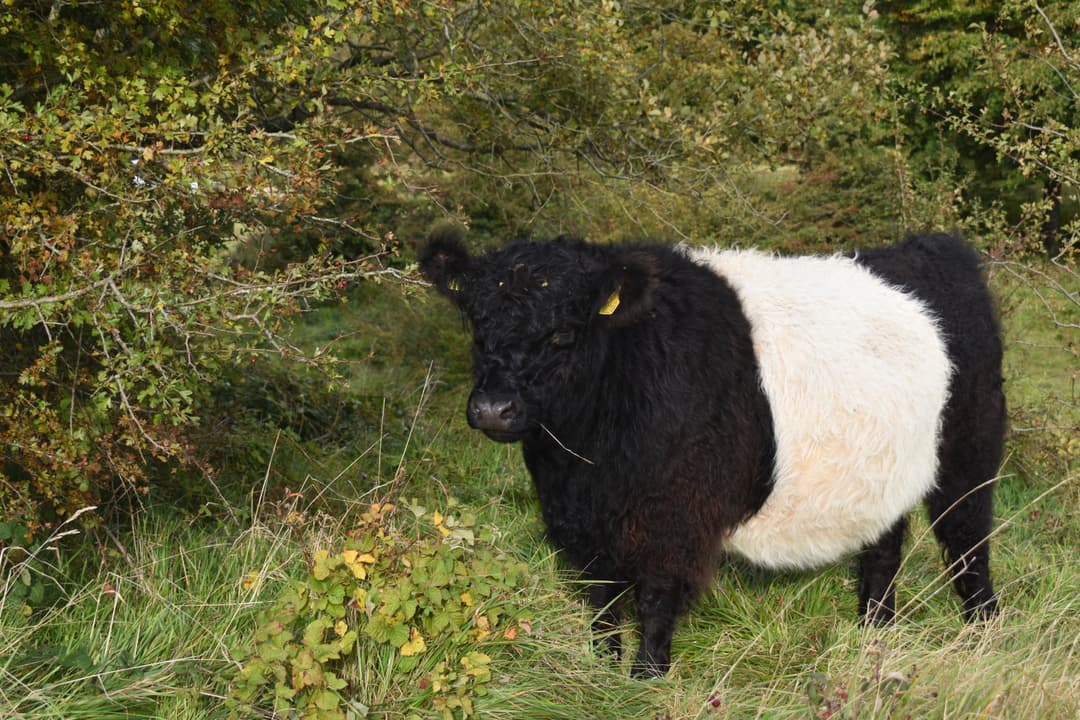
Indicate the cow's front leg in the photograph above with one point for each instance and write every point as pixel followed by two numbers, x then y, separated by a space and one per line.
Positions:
pixel 660 600
pixel 604 597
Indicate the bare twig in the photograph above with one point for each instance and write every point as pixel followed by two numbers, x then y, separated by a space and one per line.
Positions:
pixel 1057 38
pixel 1021 272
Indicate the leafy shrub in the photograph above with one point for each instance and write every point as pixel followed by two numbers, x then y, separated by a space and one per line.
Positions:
pixel 136 159
pixel 425 593
pixel 991 97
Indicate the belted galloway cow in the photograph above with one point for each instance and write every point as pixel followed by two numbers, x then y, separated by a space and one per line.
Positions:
pixel 677 403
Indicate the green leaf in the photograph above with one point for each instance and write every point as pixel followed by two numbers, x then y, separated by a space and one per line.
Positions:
pixel 315 631
pixel 334 682
pixel 398 634
pixel 327 699
pixel 323 564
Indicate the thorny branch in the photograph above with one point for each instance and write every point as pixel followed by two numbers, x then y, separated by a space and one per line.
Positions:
pixel 1023 273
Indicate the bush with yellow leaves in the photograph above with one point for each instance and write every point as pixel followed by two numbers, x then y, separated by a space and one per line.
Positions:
pixel 421 590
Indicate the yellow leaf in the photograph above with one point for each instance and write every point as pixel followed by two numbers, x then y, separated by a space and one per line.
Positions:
pixel 438 518
pixel 483 627
pixel 612 303
pixel 321 569
pixel 355 562
pixel 340 627
pixel 466 599
pixel 415 644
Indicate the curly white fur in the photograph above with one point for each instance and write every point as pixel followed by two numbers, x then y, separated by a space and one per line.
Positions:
pixel 857 375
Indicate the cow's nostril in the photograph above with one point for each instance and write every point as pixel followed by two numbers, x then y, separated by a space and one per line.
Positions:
pixel 507 410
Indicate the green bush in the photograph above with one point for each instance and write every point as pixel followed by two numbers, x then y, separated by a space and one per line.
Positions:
pixel 426 592
pixel 989 97
pixel 141 155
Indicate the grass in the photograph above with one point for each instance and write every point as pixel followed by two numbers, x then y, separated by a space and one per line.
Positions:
pixel 148 633
pixel 149 623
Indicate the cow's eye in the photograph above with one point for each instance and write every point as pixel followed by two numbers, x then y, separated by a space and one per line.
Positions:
pixel 562 339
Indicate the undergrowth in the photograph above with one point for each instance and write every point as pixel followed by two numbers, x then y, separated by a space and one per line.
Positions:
pixel 414 600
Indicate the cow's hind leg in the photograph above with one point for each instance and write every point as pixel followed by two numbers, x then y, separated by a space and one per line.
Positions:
pixel 660 602
pixel 961 507
pixel 962 525
pixel 878 564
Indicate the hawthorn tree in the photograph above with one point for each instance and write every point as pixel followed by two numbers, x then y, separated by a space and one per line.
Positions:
pixel 144 148
pixel 180 178
pixel 990 92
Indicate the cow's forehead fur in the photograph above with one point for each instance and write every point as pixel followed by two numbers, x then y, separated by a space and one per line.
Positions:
pixel 530 286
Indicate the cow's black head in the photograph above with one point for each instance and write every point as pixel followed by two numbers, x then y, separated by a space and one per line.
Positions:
pixel 540 314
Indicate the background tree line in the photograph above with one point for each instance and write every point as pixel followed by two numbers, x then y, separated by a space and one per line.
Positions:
pixel 180 179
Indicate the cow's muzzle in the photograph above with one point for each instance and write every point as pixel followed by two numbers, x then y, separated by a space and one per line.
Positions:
pixel 500 415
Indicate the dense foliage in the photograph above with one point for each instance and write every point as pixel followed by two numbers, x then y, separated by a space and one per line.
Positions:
pixel 181 177
pixel 990 95
pixel 141 162
pixel 181 180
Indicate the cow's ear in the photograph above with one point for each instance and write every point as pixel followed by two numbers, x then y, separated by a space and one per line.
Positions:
pixel 627 296
pixel 444 261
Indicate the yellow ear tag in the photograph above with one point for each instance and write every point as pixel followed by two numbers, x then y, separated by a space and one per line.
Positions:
pixel 611 304
pixel 453 285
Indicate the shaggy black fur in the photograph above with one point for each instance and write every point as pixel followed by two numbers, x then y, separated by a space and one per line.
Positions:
pixel 943 271
pixel 645 429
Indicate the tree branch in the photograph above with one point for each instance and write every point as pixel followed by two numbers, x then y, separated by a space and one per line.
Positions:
pixel 51 299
